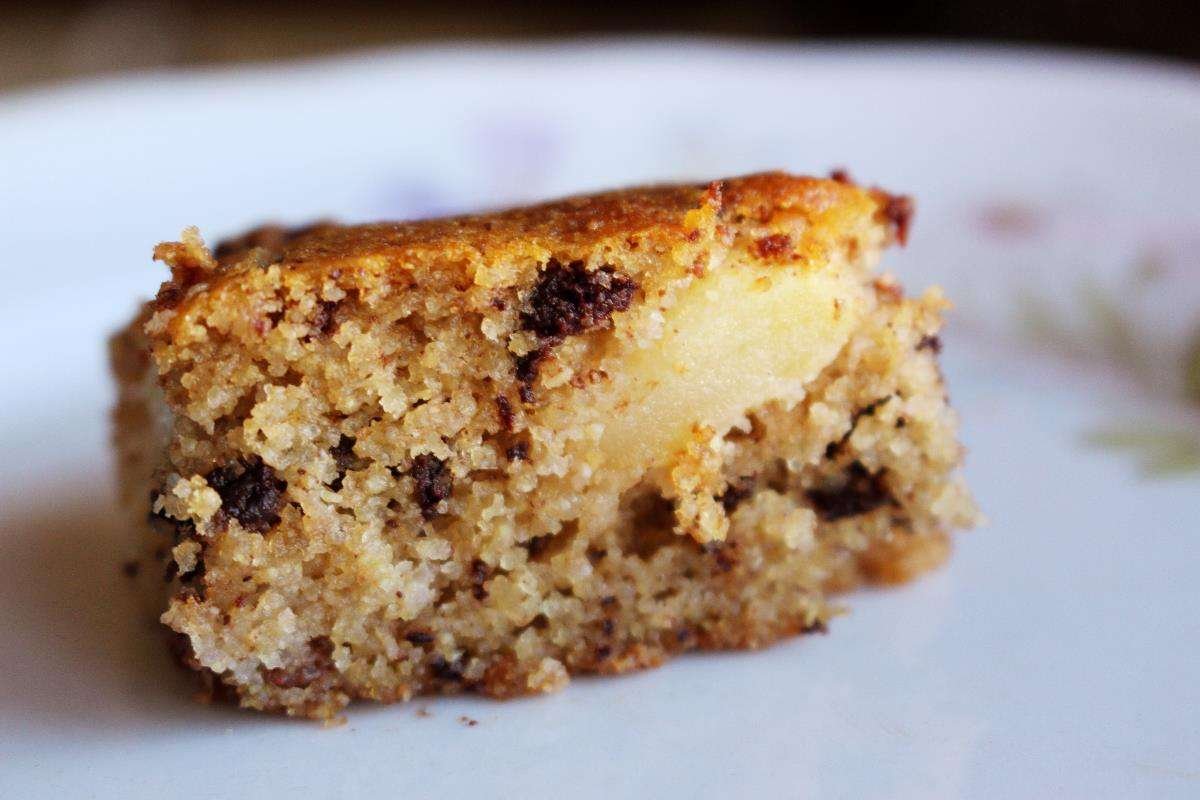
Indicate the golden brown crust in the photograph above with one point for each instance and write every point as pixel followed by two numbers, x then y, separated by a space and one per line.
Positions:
pixel 564 230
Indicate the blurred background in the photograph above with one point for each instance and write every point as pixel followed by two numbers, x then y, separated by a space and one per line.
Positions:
pixel 56 40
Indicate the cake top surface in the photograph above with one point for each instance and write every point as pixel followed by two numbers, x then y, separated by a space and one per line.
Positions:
pixel 482 248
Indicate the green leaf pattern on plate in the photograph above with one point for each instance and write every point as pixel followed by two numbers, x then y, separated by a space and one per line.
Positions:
pixel 1104 333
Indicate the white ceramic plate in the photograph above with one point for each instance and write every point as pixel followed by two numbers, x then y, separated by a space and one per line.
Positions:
pixel 1057 655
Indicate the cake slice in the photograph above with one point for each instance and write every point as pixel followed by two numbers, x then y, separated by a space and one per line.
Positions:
pixel 487 452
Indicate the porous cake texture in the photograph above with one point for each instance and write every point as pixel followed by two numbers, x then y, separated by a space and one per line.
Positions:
pixel 488 452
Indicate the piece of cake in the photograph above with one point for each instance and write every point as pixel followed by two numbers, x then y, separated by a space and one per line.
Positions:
pixel 487 452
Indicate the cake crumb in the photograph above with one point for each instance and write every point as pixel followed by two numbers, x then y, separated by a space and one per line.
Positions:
pixel 453 456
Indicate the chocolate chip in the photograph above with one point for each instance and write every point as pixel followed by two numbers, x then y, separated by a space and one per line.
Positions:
pixel 504 409
pixel 724 562
pixel 419 637
pixel 841 176
pixel 480 572
pixel 316 664
pixel 177 529
pixel 817 626
pixel 179 645
pixel 899 210
pixel 344 458
pixel 933 343
pixel 251 492
pixel 737 492
pixel 833 448
pixel 196 572
pixel 324 319
pixel 861 493
pixel 569 300
pixel 517 452
pixel 538 545
pixel 169 295
pixel 343 452
pixel 528 366
pixel 444 670
pixel 432 481
pixel 603 652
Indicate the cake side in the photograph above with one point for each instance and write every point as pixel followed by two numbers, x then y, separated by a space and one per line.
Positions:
pixel 486 453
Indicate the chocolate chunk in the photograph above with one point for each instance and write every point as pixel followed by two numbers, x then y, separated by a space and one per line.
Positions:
pixel 569 300
pixel 861 493
pixel 527 368
pixel 899 210
pixel 316 664
pixel 196 572
pixel 432 481
pixel 324 319
pixel 480 572
pixel 179 645
pixel 504 409
pixel 451 672
pixel 344 458
pixel 419 637
pixel 933 343
pixel 724 562
pixel 343 452
pixel 178 529
pixel 251 492
pixel 723 554
pixel 736 492
pixel 817 626
pixel 833 448
pixel 539 545
pixel 169 295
